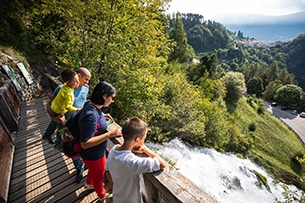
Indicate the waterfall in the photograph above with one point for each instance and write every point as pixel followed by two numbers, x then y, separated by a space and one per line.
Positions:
pixel 225 177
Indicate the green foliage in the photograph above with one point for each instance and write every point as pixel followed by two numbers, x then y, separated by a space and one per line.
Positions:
pixel 272 72
pixel 259 78
pixel 11 21
pixel 204 36
pixel 205 75
pixel 302 103
pixel 252 126
pixel 181 51
pixel 190 20
pixel 139 93
pixel 209 65
pixel 291 196
pixel 270 91
pixel 199 34
pixel 256 104
pixel 285 60
pixel 250 101
pixel 255 86
pixel 216 124
pixel 295 58
pixel 266 143
pixel 235 86
pixel 289 95
pixel 260 109
pixel 262 180
pixel 238 142
pixel 104 36
pixel 237 56
pixel 299 159
pixel 285 77
pixel 186 118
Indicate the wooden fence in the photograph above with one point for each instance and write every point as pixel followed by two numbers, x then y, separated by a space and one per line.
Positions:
pixel 9 116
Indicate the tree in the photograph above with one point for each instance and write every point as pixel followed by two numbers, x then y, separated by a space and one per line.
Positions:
pixel 104 36
pixel 240 35
pixel 296 59
pixel 285 77
pixel 302 103
pixel 289 95
pixel 273 72
pixel 122 42
pixel 181 50
pixel 235 86
pixel 209 64
pixel 270 90
pixel 206 68
pixel 204 36
pixel 255 86
pixel 11 21
pixel 190 20
pixel 198 37
pixel 251 71
pixel 236 54
pixel 220 35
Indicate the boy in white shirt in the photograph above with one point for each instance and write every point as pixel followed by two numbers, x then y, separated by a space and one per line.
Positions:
pixel 125 167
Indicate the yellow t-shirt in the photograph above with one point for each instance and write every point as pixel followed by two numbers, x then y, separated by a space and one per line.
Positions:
pixel 63 102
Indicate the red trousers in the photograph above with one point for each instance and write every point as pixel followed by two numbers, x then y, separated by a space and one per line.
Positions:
pixel 96 173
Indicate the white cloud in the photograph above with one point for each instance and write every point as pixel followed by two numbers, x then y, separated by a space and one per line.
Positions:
pixel 214 9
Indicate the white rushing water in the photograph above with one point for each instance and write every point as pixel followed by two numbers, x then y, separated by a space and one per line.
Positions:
pixel 224 176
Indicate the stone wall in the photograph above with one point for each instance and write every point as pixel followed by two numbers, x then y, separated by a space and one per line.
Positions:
pixel 39 86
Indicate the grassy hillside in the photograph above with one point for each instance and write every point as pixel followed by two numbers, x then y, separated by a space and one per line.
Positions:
pixel 275 145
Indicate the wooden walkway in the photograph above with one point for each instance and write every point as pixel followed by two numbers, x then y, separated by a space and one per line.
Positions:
pixel 39 172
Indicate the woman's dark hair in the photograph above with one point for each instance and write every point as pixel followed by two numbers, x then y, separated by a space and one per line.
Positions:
pixel 101 89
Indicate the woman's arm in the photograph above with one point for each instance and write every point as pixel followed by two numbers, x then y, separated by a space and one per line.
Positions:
pixel 96 140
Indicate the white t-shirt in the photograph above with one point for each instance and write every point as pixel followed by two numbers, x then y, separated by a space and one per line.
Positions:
pixel 125 168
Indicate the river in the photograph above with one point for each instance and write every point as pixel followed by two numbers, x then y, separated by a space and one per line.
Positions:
pixel 225 177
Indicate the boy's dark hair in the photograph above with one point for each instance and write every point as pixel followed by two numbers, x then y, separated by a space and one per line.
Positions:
pixel 101 89
pixel 67 75
pixel 134 128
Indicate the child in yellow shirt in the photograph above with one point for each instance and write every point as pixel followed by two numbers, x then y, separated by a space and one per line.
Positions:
pixel 63 102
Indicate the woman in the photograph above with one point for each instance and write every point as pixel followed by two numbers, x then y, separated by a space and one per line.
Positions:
pixel 94 136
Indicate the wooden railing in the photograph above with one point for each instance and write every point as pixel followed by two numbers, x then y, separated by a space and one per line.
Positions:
pixel 9 117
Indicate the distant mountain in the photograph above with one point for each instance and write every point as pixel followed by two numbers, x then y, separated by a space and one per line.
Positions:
pixel 231 19
pixel 267 28
pixel 269 33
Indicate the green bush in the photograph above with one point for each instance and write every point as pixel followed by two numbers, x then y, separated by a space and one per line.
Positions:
pixel 252 127
pixel 260 109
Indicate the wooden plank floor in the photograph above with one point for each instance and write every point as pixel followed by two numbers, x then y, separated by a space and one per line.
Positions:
pixel 40 173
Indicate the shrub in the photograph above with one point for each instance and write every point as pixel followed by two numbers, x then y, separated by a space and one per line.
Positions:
pixel 260 109
pixel 252 127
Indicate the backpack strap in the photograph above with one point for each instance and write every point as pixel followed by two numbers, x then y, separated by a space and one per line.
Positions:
pixel 92 107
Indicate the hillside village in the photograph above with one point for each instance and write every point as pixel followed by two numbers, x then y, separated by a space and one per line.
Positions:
pixel 251 42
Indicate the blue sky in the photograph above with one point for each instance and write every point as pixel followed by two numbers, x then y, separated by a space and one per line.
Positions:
pixel 217 10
